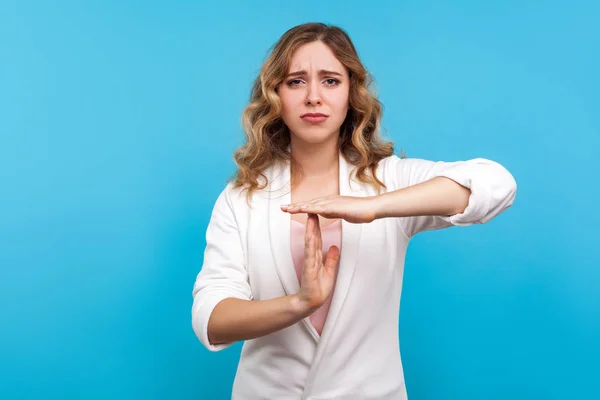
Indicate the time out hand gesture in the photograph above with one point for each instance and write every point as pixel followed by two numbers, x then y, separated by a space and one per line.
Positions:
pixel 351 209
pixel 318 275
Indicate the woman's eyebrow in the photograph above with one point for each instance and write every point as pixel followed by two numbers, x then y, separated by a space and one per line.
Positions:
pixel 322 72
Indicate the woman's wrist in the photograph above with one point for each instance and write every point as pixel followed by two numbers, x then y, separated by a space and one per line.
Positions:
pixel 385 205
pixel 299 308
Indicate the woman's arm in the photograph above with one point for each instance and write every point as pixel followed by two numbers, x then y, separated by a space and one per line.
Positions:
pixel 236 319
pixel 437 196
pixel 491 187
pixel 224 310
pixel 425 195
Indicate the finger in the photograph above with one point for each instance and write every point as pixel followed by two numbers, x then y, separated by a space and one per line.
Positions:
pixel 315 200
pixel 299 204
pixel 318 256
pixel 317 231
pixel 311 208
pixel 332 260
pixel 289 208
pixel 317 207
pixel 313 234
pixel 309 250
pixel 318 240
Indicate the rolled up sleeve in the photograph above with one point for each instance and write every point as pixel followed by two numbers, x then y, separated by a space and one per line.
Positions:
pixel 493 190
pixel 223 274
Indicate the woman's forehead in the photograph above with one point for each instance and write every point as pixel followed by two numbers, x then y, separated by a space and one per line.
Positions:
pixel 313 58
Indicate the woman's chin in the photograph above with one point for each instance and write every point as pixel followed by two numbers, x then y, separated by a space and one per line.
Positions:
pixel 316 137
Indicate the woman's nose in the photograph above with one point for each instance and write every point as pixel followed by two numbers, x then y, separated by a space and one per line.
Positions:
pixel 313 96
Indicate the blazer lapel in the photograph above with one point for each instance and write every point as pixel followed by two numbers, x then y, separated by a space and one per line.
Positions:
pixel 279 222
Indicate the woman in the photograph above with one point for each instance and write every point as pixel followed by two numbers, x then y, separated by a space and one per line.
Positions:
pixel 306 246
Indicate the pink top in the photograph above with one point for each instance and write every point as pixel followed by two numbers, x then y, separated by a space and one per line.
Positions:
pixel 331 235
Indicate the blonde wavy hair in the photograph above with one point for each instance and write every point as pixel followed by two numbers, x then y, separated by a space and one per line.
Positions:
pixel 268 138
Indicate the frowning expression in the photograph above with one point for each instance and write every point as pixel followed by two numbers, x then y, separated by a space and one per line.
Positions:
pixel 314 94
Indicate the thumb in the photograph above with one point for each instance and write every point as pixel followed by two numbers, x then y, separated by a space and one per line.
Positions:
pixel 331 260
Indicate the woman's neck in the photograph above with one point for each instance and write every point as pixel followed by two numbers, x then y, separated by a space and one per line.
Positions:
pixel 315 161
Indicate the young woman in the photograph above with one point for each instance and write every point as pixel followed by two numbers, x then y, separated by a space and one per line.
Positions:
pixel 306 246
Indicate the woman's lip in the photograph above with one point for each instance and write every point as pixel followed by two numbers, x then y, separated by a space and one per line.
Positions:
pixel 314 118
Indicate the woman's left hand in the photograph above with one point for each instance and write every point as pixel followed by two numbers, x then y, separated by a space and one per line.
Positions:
pixel 351 209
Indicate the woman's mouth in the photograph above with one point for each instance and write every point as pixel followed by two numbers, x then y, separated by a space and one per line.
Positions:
pixel 314 117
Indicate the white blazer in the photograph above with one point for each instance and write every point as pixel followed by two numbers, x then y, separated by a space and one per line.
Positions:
pixel 357 357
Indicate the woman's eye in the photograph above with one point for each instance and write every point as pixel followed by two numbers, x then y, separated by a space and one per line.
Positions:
pixel 328 82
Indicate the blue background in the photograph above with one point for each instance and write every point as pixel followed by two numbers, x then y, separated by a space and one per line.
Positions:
pixel 117 125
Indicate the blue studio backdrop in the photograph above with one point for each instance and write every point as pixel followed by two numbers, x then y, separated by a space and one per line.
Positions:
pixel 117 125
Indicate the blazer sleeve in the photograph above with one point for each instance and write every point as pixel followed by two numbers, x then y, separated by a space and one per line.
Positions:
pixel 223 273
pixel 493 190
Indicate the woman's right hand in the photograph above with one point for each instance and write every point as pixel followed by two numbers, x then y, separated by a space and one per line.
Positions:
pixel 318 275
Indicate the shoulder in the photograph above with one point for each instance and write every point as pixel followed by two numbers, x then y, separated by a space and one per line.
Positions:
pixel 230 200
pixel 397 172
pixel 393 163
pixel 235 196
pixel 387 168
pixel 388 162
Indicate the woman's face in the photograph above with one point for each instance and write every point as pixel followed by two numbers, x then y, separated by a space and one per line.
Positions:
pixel 314 95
